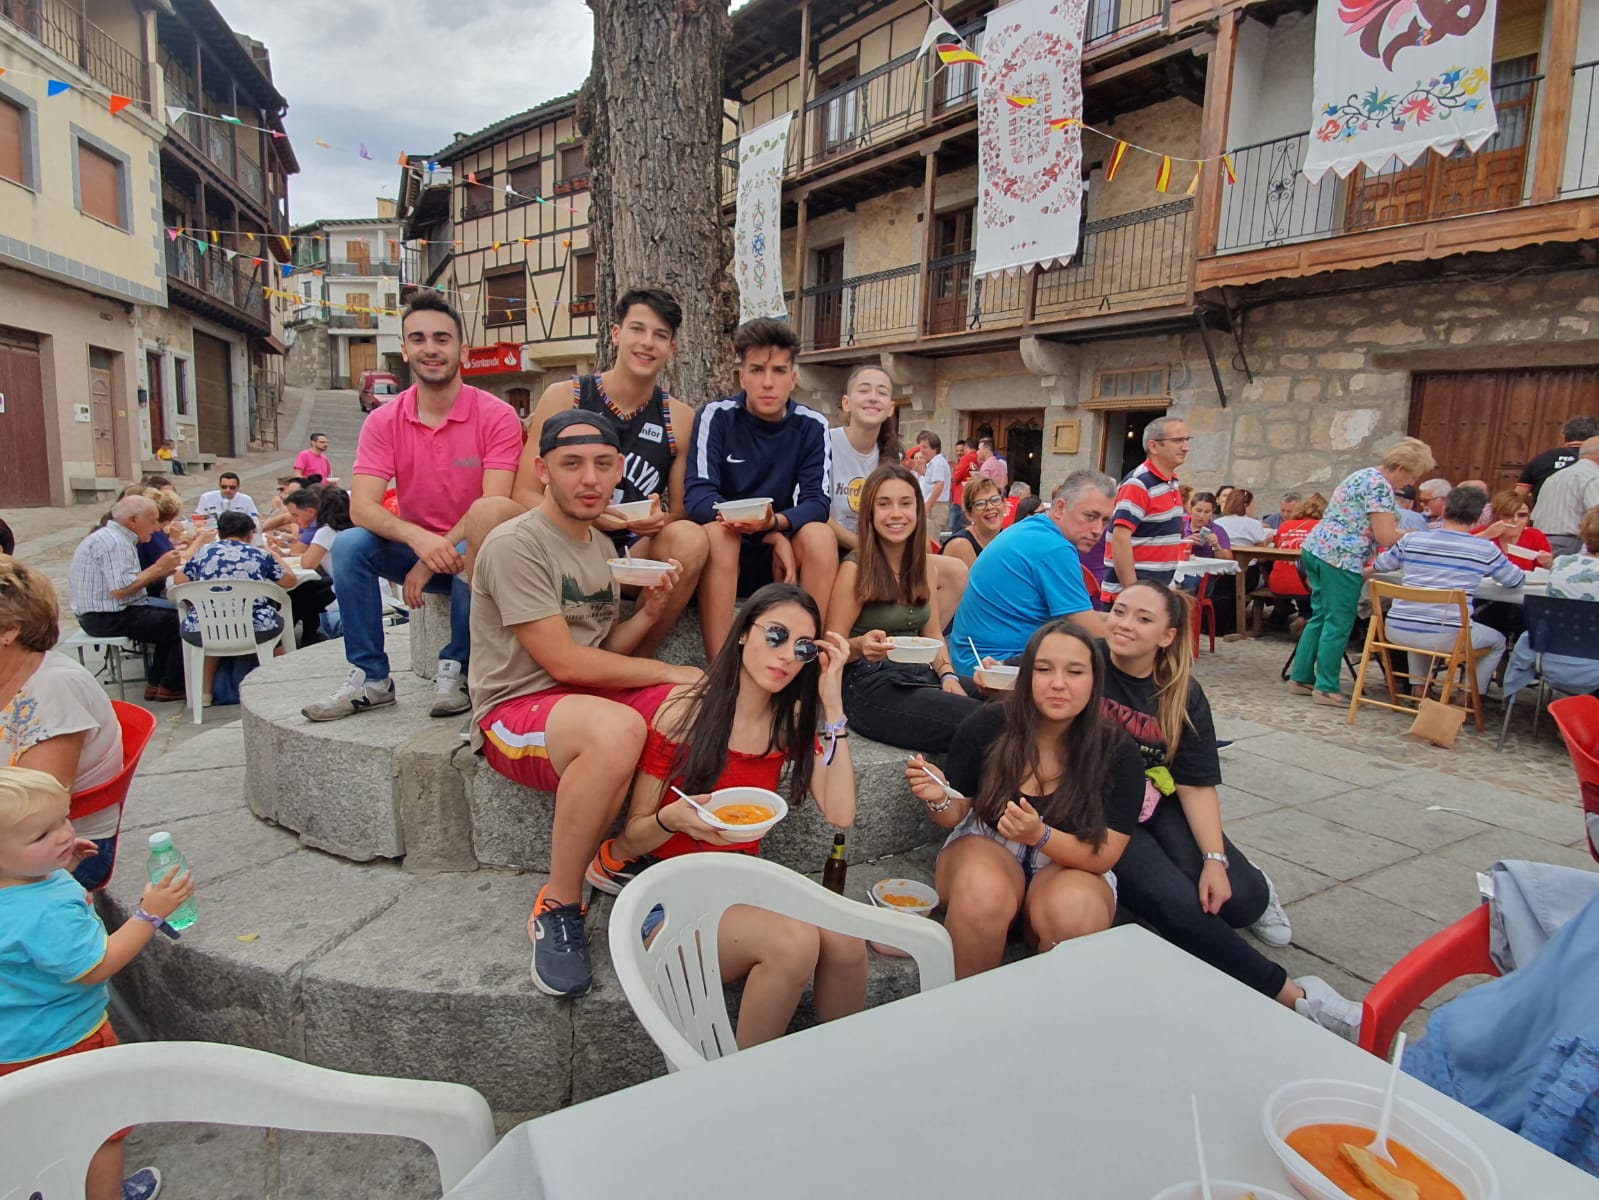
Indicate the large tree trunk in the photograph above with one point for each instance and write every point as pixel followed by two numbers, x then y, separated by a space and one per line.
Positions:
pixel 652 113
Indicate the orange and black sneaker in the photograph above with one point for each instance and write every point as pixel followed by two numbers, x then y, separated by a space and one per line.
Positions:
pixel 609 874
pixel 561 963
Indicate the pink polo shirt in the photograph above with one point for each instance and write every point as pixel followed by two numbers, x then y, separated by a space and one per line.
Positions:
pixel 309 462
pixel 437 473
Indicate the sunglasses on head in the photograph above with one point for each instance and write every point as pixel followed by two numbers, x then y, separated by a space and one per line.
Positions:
pixel 805 649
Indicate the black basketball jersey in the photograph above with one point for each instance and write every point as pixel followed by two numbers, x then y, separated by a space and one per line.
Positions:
pixel 648 445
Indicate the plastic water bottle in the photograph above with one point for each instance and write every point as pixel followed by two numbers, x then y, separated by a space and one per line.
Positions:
pixel 163 857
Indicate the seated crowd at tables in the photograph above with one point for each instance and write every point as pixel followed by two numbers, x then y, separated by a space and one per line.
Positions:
pixel 1088 786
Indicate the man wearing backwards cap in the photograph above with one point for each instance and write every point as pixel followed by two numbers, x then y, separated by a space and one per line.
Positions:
pixel 444 444
pixel 560 700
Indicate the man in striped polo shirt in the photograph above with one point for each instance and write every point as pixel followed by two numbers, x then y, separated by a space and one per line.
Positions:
pixel 1146 535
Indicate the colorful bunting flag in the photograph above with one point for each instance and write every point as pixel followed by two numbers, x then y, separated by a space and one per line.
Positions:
pixel 1227 166
pixel 118 103
pixel 231 120
pixel 1193 184
pixel 363 151
pixel 1021 101
pixel 323 144
pixel 951 55
pixel 1163 179
pixel 174 112
pixel 202 246
pixel 1116 161
pixel 55 87
pixel 1063 123
pixel 937 27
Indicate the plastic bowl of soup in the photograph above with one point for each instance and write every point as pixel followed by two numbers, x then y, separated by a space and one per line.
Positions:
pixel 633 510
pixel 913 649
pixel 998 678
pixel 901 895
pixel 749 812
pixel 1220 1189
pixel 753 509
pixel 639 572
pixel 1316 1115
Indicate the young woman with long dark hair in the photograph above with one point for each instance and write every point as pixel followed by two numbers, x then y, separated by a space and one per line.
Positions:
pixel 886 589
pixel 1050 792
pixel 752 717
pixel 1179 873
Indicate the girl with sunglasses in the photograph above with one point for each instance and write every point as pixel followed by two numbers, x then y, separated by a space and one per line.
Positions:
pixel 752 717
pixel 1048 794
pixel 884 590
pixel 984 504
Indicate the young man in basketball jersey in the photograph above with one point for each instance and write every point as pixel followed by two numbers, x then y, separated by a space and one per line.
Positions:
pixel 653 430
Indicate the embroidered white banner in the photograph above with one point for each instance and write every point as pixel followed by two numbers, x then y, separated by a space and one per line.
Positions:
pixel 1395 78
pixel 1030 177
pixel 758 229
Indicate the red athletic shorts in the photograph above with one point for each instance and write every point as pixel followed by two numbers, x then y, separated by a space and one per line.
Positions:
pixel 513 732
pixel 103 1036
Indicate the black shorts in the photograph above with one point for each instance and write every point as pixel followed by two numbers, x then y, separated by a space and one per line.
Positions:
pixel 754 566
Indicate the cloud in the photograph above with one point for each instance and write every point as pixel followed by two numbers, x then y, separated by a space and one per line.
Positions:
pixel 404 77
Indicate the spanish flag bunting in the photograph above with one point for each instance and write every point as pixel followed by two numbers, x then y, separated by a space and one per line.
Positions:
pixel 118 103
pixel 1021 101
pixel 1163 180
pixel 496 246
pixel 1193 184
pixel 1063 123
pixel 1227 166
pixel 1116 161
pixel 249 235
pixel 323 144
pixel 954 53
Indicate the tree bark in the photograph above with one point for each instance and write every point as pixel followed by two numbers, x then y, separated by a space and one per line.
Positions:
pixel 652 114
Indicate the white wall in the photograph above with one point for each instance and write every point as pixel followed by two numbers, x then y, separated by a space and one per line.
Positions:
pixel 1272 79
pixel 1582 139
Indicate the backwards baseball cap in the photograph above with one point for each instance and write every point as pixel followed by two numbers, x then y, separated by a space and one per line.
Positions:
pixel 553 434
pixel 1408 492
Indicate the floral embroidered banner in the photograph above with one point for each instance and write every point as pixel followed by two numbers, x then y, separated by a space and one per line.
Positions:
pixel 1030 174
pixel 1395 78
pixel 758 230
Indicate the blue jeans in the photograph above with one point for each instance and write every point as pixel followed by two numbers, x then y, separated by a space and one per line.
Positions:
pixel 360 560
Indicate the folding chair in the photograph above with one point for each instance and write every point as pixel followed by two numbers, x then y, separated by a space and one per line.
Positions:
pixel 110 648
pixel 1569 628
pixel 1460 657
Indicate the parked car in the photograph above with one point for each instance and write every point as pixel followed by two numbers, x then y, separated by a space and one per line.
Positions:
pixel 377 387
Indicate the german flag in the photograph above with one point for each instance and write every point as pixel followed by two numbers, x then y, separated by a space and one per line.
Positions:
pixel 1163 180
pixel 953 52
pixel 1116 161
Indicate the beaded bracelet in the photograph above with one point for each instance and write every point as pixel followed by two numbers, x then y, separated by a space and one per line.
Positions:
pixel 1039 844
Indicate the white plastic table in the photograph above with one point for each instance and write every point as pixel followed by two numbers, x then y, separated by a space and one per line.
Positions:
pixel 1065 1075
pixel 1193 568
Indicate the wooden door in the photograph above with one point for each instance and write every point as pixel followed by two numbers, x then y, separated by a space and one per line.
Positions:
pixel 361 308
pixel 1489 424
pixel 213 387
pixel 25 465
pixel 827 318
pixel 155 396
pixel 949 277
pixel 360 257
pixel 363 357
pixel 103 411
pixel 1018 438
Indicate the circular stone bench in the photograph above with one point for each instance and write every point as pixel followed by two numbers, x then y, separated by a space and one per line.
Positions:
pixel 398 784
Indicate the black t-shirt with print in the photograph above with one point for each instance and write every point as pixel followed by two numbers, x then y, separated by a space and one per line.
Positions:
pixel 1133 705
pixel 968 752
pixel 1546 464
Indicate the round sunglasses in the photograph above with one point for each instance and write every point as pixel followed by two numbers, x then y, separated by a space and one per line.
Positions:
pixel 805 649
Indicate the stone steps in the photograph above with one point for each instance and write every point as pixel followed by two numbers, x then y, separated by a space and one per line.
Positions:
pixel 373 967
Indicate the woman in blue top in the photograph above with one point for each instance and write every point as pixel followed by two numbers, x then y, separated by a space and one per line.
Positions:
pixel 232 557
pixel 1360 517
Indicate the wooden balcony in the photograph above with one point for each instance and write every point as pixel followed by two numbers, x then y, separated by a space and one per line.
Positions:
pixel 209 284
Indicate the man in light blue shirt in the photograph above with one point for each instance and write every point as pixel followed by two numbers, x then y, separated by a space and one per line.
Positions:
pixel 1033 572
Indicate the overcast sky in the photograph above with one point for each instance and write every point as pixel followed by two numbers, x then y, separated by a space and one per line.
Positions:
pixel 405 77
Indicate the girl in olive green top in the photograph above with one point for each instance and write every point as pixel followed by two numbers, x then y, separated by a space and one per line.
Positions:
pixel 886 590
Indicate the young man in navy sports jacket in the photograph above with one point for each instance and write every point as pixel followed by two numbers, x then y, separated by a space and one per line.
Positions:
pixel 761 443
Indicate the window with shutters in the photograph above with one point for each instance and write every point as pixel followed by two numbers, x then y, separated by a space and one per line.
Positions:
pixel 583 285
pixel 101 183
pixel 16 143
pixel 526 180
pixel 573 174
pixel 505 298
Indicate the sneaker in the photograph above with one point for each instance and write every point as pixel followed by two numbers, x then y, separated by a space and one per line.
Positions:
pixel 561 964
pixel 356 695
pixel 449 690
pixel 1328 1009
pixel 610 875
pixel 143 1184
pixel 1273 928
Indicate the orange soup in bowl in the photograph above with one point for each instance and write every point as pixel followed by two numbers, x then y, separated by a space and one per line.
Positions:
pixel 1321 1146
pixel 744 814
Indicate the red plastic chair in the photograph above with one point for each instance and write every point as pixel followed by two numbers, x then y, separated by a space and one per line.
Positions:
pixel 1204 612
pixel 1578 720
pixel 138 726
pixel 1462 949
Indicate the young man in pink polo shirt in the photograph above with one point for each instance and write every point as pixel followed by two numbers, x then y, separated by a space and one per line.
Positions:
pixel 444 444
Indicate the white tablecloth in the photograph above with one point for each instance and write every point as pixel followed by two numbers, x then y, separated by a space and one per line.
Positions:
pixel 1063 1075
pixel 1193 568
pixel 1489 590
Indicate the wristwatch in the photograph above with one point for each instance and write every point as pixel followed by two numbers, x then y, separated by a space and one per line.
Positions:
pixel 1214 856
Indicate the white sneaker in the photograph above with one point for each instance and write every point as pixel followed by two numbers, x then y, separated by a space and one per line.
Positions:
pixel 1328 1009
pixel 450 697
pixel 1273 928
pixel 355 695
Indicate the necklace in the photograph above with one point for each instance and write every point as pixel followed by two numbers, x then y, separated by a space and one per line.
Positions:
pixel 624 418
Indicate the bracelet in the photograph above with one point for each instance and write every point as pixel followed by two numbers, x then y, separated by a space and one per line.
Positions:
pixel 660 822
pixel 938 808
pixel 833 733
pixel 149 918
pixel 1039 844
pixel 943 675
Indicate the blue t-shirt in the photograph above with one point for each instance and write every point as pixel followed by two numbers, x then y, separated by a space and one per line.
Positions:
pixel 49 936
pixel 1028 575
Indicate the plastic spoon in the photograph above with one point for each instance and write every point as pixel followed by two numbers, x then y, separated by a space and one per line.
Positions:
pixel 976 657
pixel 710 817
pixel 1379 1144
pixel 952 793
pixel 1199 1149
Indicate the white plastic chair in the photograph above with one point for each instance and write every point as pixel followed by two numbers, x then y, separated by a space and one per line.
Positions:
pixel 226 610
pixel 55 1115
pixel 675 983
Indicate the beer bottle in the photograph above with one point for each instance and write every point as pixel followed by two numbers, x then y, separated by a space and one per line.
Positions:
pixel 833 872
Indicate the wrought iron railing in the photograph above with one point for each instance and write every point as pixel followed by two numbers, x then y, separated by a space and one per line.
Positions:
pixel 959 303
pixel 1112 21
pixel 362 266
pixel 866 310
pixel 65 30
pixel 352 321
pixel 230 283
pixel 250 177
pixel 1273 204
pixel 1582 142
pixel 1137 258
pixel 883 103
pixel 219 145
